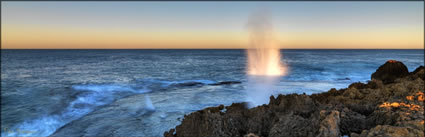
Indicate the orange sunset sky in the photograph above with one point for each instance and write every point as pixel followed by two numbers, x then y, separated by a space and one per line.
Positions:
pixel 112 25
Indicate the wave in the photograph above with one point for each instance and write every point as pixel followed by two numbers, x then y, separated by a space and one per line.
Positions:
pixel 165 83
pixel 87 98
pixel 92 97
pixel 107 88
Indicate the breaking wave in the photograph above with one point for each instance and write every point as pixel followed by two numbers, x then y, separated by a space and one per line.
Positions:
pixel 87 98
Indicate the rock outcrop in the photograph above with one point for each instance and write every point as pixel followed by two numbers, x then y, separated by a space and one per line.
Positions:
pixel 391 104
pixel 390 71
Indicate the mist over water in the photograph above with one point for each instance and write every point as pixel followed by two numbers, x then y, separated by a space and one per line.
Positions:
pixel 264 68
pixel 259 89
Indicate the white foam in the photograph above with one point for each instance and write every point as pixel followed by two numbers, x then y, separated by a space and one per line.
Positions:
pixel 94 96
pixel 163 115
pixel 43 126
pixel 98 95
pixel 107 88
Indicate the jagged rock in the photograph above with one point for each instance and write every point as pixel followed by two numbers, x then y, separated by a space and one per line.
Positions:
pixel 391 104
pixel 351 122
pixel 301 105
pixel 294 126
pixel 390 131
pixel 390 71
pixel 329 127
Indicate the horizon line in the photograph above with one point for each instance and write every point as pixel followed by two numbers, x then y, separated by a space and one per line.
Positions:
pixel 201 49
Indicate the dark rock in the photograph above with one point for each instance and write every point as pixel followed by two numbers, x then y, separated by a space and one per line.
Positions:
pixel 351 122
pixel 294 126
pixel 169 133
pixel 417 70
pixel 344 79
pixel 191 84
pixel 188 84
pixel 390 71
pixel 225 83
pixel 391 104
pixel 301 105
pixel 419 73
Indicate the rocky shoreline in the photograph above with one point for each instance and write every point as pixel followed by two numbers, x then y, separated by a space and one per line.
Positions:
pixel 390 104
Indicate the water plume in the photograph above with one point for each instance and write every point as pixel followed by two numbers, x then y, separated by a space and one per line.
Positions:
pixel 149 105
pixel 264 68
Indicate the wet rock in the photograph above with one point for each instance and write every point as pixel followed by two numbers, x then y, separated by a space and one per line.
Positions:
pixel 191 84
pixel 170 133
pixel 225 83
pixel 390 71
pixel 188 84
pixel 344 79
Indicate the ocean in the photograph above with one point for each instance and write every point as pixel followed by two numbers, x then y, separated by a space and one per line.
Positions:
pixel 146 92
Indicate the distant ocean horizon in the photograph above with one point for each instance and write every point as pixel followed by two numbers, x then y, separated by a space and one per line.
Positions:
pixel 44 90
pixel 195 49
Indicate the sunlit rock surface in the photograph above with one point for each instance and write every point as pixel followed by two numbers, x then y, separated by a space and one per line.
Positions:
pixel 391 104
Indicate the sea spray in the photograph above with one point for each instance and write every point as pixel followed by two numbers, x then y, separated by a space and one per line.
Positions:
pixel 264 68
pixel 259 89
pixel 149 105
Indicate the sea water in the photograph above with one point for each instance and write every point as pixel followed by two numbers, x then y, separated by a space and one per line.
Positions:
pixel 45 90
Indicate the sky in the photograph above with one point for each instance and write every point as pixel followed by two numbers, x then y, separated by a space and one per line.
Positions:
pixel 208 24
